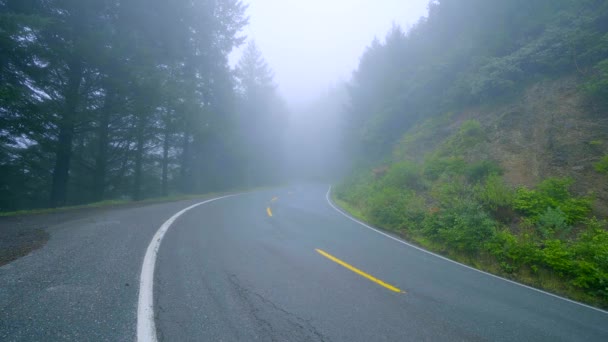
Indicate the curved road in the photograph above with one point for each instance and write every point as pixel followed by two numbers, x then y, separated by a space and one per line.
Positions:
pixel 272 265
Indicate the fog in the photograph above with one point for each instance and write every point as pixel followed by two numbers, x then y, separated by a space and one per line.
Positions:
pixel 313 47
pixel 313 44
pixel 110 99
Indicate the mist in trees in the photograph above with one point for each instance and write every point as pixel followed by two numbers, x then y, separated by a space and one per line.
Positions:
pixel 134 99
pixel 315 147
pixel 467 53
pixel 262 118
pixel 111 99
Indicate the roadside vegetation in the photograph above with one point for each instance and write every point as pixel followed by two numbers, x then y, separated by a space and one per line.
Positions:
pixel 542 236
pixel 102 204
pixel 480 134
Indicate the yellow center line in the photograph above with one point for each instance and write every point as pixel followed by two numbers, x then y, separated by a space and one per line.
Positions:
pixel 269 211
pixel 274 199
pixel 358 271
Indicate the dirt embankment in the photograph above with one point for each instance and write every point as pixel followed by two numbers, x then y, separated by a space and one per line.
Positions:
pixel 548 131
pixel 21 234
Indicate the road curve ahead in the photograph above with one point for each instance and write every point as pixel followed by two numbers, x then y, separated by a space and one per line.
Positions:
pixel 271 265
pixel 256 267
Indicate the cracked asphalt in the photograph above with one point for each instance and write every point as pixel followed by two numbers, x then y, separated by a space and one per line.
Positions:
pixel 228 271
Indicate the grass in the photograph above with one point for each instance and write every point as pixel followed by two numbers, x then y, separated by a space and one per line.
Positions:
pixel 542 279
pixel 101 204
pixel 116 203
pixel 347 207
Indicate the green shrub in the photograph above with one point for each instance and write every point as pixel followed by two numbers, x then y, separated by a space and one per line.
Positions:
pixel 585 261
pixel 479 171
pixel 557 189
pixel 404 175
pixel 464 226
pixel 436 166
pixel 602 165
pixel 395 209
pixel 355 189
pixel 576 209
pixel 596 143
pixel 470 128
pixel 597 85
pixel 529 202
pixel 449 191
pixel 468 136
pixel 414 210
pixel 494 193
pixel 590 254
pixel 557 256
pixel 385 208
pixel 552 222
pixel 512 252
pixel 552 193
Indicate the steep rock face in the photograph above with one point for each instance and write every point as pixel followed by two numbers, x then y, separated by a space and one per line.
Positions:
pixel 548 130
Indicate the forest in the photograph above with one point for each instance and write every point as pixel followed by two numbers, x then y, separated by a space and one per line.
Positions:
pixel 104 100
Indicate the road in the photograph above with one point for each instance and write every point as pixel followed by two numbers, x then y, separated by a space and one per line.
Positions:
pixel 271 265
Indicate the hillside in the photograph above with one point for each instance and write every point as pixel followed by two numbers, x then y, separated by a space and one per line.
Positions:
pixel 508 187
pixel 482 134
pixel 545 131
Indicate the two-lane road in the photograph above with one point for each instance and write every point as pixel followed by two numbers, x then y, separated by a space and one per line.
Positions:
pixel 272 265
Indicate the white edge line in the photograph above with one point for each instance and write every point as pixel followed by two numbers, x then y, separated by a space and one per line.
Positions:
pixel 146 327
pixel 452 261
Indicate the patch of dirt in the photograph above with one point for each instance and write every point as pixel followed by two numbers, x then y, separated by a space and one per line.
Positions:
pixel 22 234
pixel 549 132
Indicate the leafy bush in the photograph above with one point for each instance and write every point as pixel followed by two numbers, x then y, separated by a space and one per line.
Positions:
pixel 464 226
pixel 447 192
pixel 552 193
pixel 494 193
pixel 602 165
pixel 404 175
pixel 479 171
pixel 434 167
pixel 556 189
pixel 395 209
pixel 468 136
pixel 552 222
pixel 597 86
pixel 512 252
pixel 590 255
pixel 497 76
pixel 557 256
pixel 385 208
pixel 355 189
pixel 470 128
pixel 463 217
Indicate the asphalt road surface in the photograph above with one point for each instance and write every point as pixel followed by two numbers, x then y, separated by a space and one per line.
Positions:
pixel 271 265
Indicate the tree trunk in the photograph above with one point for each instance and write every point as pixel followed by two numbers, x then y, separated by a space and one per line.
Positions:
pixel 139 155
pixel 63 151
pixel 101 159
pixel 165 176
pixel 185 164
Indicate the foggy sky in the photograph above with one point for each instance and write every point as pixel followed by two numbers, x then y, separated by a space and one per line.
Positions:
pixel 311 44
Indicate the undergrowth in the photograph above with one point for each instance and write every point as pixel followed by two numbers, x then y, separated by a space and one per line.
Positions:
pixel 542 236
